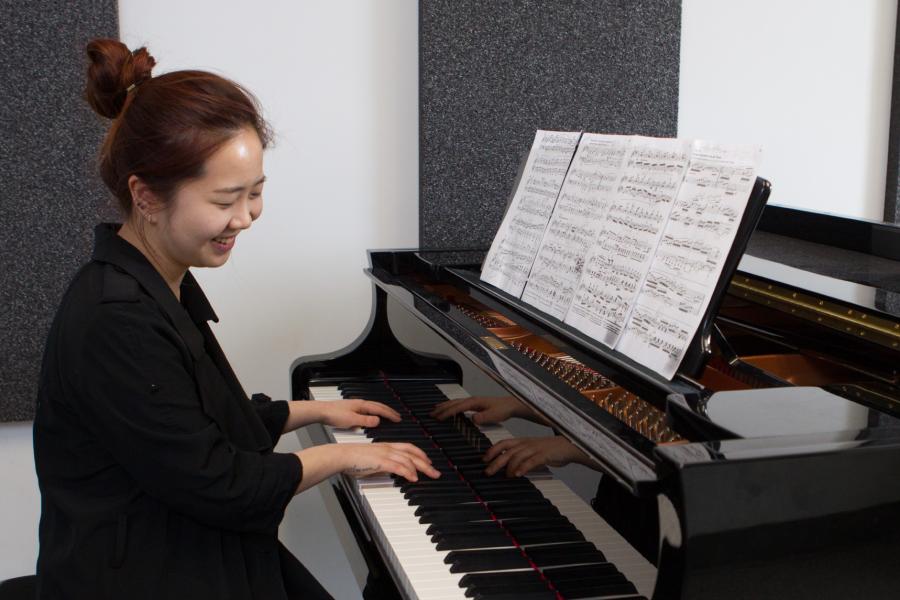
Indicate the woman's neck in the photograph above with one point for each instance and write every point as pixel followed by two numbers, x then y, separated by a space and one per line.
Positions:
pixel 171 273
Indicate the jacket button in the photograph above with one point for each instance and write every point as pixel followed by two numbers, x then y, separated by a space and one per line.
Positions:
pixel 154 388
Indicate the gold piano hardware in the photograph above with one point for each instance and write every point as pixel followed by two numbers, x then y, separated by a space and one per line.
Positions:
pixel 811 308
pixel 493 342
pixel 872 395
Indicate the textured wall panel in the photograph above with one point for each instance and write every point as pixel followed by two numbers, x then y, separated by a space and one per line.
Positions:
pixel 892 180
pixel 50 195
pixel 492 72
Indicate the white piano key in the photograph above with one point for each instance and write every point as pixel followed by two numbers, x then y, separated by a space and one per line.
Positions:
pixel 325 392
pixel 416 557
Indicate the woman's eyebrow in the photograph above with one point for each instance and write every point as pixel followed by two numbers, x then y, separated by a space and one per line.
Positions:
pixel 238 188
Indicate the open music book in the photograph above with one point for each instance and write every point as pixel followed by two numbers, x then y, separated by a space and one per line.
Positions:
pixel 623 237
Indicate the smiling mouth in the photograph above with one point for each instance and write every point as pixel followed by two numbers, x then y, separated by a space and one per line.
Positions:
pixel 224 244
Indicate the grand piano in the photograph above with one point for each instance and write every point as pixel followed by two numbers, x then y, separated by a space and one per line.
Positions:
pixel 770 463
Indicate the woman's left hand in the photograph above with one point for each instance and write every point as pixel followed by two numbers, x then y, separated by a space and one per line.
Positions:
pixel 354 413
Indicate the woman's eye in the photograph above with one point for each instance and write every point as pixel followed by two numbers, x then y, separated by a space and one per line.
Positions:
pixel 255 195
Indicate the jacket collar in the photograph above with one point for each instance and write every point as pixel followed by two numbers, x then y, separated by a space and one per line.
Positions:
pixel 110 248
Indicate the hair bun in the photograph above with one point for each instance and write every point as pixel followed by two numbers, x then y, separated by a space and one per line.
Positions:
pixel 112 70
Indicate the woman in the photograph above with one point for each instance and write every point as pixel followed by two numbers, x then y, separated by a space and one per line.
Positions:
pixel 157 474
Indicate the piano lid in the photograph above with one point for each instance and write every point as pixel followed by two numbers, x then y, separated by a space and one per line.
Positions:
pixel 856 251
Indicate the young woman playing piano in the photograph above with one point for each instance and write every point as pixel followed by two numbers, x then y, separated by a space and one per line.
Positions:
pixel 158 477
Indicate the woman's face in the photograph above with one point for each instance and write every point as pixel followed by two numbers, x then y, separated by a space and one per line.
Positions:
pixel 198 228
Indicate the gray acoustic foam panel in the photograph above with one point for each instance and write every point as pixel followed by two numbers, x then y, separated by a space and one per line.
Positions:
pixel 892 181
pixel 492 72
pixel 50 196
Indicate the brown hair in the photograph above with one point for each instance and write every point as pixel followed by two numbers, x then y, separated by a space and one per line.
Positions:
pixel 164 128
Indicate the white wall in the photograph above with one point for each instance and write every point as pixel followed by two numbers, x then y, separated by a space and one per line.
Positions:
pixel 810 80
pixel 20 506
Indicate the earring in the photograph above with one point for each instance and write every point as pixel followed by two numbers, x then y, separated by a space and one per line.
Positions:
pixel 147 215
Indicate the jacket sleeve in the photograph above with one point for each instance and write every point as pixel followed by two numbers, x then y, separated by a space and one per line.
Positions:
pixel 140 400
pixel 274 414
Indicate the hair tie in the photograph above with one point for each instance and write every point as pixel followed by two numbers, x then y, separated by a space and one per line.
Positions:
pixel 133 85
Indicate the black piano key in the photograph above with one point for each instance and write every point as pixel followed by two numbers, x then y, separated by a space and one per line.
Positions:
pixel 547 537
pixel 459 513
pixel 589 581
pixel 500 508
pixel 581 572
pixel 503 483
pixel 508 578
pixel 560 554
pixel 497 539
pixel 501 583
pixel 560 524
pixel 473 561
pixel 444 497
pixel 433 485
pixel 479 512
pixel 545 594
pixel 486 592
pixel 448 496
pixel 594 589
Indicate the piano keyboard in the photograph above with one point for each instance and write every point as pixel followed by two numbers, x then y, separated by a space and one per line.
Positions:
pixel 470 535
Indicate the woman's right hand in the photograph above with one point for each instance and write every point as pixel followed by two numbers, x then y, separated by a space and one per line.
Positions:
pixel 321 462
pixel 397 458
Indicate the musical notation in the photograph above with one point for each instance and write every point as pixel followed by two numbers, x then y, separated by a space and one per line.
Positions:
pixel 659 333
pixel 583 203
pixel 626 239
pixel 639 209
pixel 691 254
pixel 515 246
pixel 672 291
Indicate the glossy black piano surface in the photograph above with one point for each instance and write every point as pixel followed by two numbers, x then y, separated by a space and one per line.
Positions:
pixel 774 462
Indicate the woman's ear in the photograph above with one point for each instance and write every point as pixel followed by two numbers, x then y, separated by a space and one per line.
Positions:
pixel 143 200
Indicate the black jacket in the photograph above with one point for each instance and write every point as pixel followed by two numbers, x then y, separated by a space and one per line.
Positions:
pixel 156 472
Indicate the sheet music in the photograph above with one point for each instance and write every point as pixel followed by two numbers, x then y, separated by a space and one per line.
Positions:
pixel 580 211
pixel 620 257
pixel 512 253
pixel 691 254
